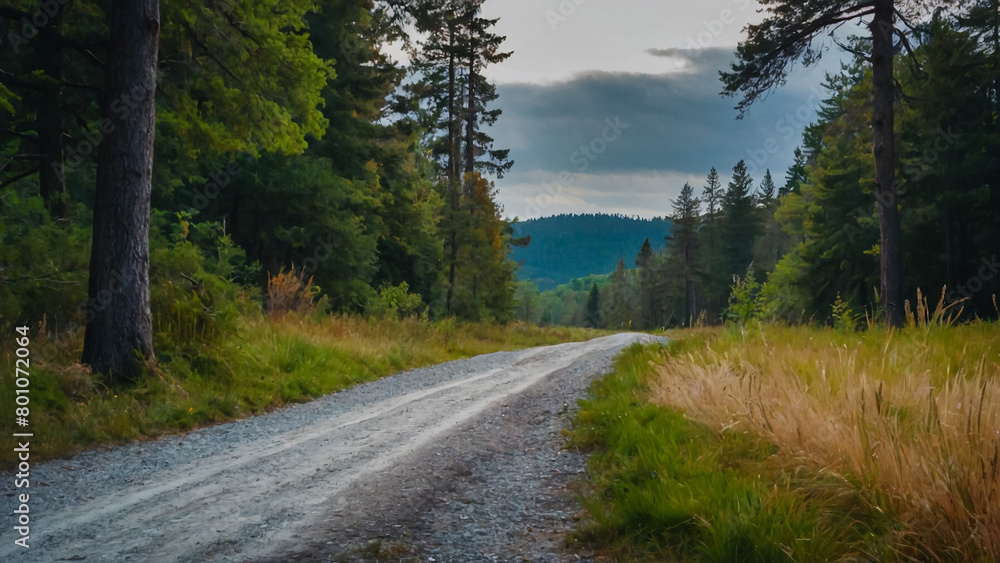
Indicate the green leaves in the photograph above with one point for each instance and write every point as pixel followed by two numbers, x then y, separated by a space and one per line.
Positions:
pixel 241 75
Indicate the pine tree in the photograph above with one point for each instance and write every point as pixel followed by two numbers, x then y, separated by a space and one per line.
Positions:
pixel 796 175
pixel 740 227
pixel 119 337
pixel 766 190
pixel 686 218
pixel 785 36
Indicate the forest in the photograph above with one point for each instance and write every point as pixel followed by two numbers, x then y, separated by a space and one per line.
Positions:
pixel 287 147
pixel 806 246
pixel 212 210
pixel 563 248
pixel 294 160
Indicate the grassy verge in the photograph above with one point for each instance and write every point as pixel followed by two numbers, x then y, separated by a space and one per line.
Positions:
pixel 799 444
pixel 263 365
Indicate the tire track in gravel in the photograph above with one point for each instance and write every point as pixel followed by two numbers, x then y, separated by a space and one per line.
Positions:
pixel 257 496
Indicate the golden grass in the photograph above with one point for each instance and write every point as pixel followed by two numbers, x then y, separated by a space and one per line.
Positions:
pixel 912 416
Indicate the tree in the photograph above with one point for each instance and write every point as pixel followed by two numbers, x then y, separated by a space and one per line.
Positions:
pixel 594 306
pixel 122 325
pixel 767 190
pixel 648 301
pixel 457 39
pixel 795 176
pixel 740 227
pixel 785 36
pixel 686 218
pixel 619 302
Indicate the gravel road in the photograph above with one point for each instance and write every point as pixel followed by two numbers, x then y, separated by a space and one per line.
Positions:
pixel 461 461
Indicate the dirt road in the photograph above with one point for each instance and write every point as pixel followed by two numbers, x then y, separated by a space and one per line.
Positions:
pixel 460 461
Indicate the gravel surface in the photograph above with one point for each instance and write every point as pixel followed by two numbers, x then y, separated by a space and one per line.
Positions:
pixel 462 461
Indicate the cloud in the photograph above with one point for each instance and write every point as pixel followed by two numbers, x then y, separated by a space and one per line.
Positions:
pixel 673 121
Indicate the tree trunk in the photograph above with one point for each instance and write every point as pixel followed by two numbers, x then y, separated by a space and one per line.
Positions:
pixel 119 337
pixel 51 177
pixel 891 262
pixel 470 124
pixel 452 170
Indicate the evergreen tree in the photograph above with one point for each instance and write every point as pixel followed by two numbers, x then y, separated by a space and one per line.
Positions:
pixel 594 307
pixel 119 337
pixel 795 176
pixel 686 218
pixel 714 280
pixel 619 302
pixel 785 36
pixel 740 227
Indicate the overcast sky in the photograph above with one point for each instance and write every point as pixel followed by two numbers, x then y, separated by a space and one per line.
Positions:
pixel 636 83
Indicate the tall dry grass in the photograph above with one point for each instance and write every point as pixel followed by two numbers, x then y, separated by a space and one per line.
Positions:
pixel 912 417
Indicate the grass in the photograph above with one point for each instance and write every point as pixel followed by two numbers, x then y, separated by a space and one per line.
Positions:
pixel 803 443
pixel 264 364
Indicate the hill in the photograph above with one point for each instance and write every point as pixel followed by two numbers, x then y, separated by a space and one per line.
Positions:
pixel 566 247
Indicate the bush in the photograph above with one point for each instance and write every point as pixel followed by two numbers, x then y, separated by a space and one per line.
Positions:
pixel 290 292
pixel 396 301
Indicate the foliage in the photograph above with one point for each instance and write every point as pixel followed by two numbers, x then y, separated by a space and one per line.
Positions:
pixel 744 299
pixel 397 302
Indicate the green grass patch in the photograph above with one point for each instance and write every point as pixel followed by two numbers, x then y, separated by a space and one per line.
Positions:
pixel 664 487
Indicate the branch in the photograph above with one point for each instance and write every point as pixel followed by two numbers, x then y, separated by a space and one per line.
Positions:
pixel 208 53
pixel 20 176
pixel 852 50
pixel 85 51
pixel 13 14
pixel 909 50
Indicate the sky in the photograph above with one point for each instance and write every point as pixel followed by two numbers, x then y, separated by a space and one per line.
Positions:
pixel 612 105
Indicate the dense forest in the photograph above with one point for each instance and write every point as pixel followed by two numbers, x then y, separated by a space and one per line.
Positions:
pixel 808 246
pixel 290 154
pixel 294 161
pixel 568 247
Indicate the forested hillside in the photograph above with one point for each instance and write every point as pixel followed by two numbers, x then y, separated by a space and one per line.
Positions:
pixel 567 247
pixel 810 246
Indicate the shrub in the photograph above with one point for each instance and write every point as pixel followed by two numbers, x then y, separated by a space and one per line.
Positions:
pixel 397 301
pixel 290 291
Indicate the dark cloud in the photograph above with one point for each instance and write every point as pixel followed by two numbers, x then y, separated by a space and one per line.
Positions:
pixel 676 121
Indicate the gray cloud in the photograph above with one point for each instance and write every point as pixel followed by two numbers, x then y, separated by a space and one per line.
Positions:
pixel 676 121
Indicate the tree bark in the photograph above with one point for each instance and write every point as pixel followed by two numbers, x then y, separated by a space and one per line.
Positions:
pixel 453 181
pixel 51 178
pixel 118 341
pixel 884 149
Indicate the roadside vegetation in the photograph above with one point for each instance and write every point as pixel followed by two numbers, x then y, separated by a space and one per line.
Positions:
pixel 802 443
pixel 263 362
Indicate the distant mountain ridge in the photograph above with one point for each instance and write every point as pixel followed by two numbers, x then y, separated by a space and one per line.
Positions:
pixel 567 247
